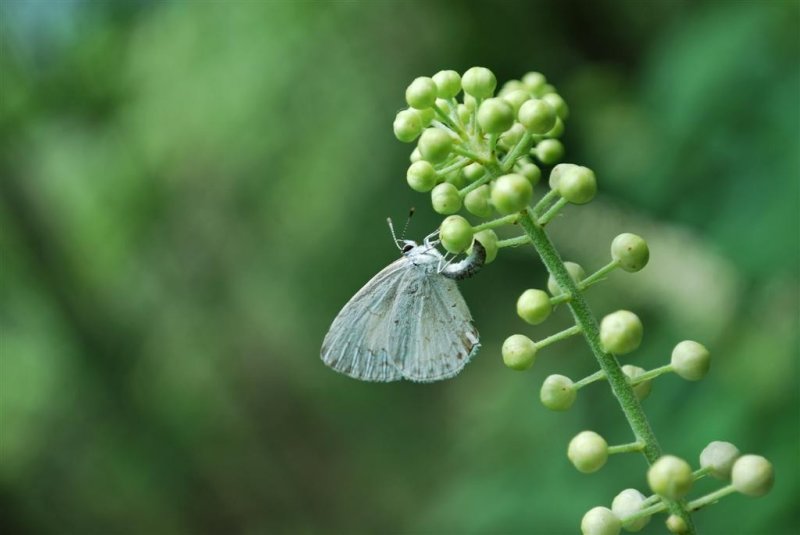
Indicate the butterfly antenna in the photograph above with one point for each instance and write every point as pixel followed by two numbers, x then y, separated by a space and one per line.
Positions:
pixel 405 227
pixel 391 229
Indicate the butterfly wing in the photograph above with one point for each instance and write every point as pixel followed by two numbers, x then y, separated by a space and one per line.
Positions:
pixel 357 344
pixel 434 336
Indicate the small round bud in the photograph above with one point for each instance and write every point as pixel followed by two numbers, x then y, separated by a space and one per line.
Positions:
pixel 415 156
pixel 537 116
pixel 557 172
pixel 457 178
pixel 479 82
pixel 575 272
pixel 464 113
pixel 516 98
pixel 519 352
pixel 445 199
pixel 600 521
pixel 426 115
pixel 434 145
pixel 512 136
pixel 477 202
pixel 690 360
pixel 470 102
pixel 670 477
pixel 621 332
pixel 511 86
pixel 474 171
pixel 511 193
pixel 626 503
pixel 752 475
pixel 549 151
pixel 630 252
pixel 456 233
pixel 421 93
pixel 531 172
pixel 489 241
pixel 558 104
pixel 534 306
pixel 495 115
pixel 718 457
pixel 558 393
pixel 577 185
pixel 642 390
pixel 421 176
pixel 588 451
pixel 533 81
pixel 448 83
pixel 407 126
pixel 676 524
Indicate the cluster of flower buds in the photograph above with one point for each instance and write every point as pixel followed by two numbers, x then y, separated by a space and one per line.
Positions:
pixel 669 478
pixel 478 154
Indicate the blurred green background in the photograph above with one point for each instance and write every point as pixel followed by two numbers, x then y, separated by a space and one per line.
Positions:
pixel 189 192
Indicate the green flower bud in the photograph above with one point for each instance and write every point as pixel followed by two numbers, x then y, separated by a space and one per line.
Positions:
pixel 558 104
pixel 407 126
pixel 537 116
pixel 511 193
pixel 495 115
pixel 558 393
pixel 575 272
pixel 426 116
pixel 557 172
pixel 421 93
pixel 676 524
pixel 630 252
pixel 577 184
pixel 670 477
pixel 421 176
pixel 455 233
pixel 719 457
pixel 557 130
pixel 549 151
pixel 600 521
pixel 448 83
pixel 534 306
pixel 445 199
pixel 642 390
pixel 477 202
pixel 621 332
pixel 474 171
pixel 457 178
pixel 533 81
pixel 752 475
pixel 519 352
pixel 415 155
pixel 516 99
pixel 489 241
pixel 690 360
pixel 435 145
pixel 511 86
pixel 511 137
pixel 531 172
pixel 626 503
pixel 470 102
pixel 588 452
pixel 479 82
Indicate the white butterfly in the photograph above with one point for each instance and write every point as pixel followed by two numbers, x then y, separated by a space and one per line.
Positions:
pixel 408 322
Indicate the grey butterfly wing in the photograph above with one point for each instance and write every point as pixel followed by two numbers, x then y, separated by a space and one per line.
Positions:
pixel 440 337
pixel 357 343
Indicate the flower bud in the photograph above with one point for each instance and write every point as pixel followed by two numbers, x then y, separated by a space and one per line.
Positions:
pixel 495 115
pixel 578 185
pixel 448 83
pixel 718 457
pixel 627 503
pixel 600 521
pixel 690 360
pixel 489 241
pixel 576 273
pixel 558 393
pixel 642 390
pixel 407 126
pixel 621 332
pixel 456 233
pixel 534 306
pixel 445 199
pixel 435 145
pixel 479 82
pixel 588 451
pixel 752 475
pixel 421 93
pixel 519 352
pixel 511 193
pixel 421 176
pixel 670 477
pixel 477 202
pixel 549 151
pixel 537 116
pixel 630 252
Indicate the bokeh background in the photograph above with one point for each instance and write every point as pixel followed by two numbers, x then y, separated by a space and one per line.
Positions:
pixel 189 192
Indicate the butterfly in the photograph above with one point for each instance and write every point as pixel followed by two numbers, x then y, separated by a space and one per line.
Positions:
pixel 409 321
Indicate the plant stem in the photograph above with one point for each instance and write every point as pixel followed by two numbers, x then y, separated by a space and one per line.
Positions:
pixel 514 242
pixel 589 379
pixel 625 448
pixel 499 222
pixel 651 374
pixel 566 333
pixel 584 318
pixel 598 275
pixel 553 211
pixel 544 201
pixel 710 498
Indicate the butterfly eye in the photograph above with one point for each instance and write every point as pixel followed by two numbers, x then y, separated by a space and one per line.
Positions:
pixel 407 248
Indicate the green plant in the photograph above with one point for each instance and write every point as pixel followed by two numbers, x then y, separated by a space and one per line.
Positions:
pixel 481 155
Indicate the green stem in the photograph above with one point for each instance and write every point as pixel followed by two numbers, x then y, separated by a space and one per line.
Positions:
pixel 514 242
pixel 512 157
pixel 625 448
pixel 701 473
pixel 710 498
pixel 499 222
pixel 584 318
pixel 598 275
pixel 553 211
pixel 651 374
pixel 474 156
pixel 566 333
pixel 447 120
pixel 544 201
pixel 589 379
